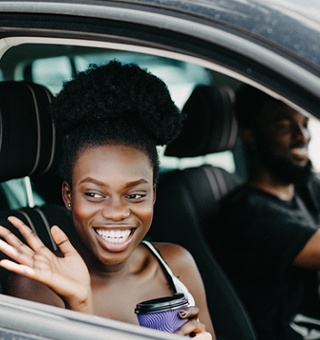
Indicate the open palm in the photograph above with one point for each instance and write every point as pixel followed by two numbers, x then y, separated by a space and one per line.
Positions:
pixel 67 274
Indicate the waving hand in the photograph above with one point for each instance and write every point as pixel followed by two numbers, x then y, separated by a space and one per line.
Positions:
pixel 67 275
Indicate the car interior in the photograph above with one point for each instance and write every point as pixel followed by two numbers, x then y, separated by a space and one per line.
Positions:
pixel 204 163
pixel 187 198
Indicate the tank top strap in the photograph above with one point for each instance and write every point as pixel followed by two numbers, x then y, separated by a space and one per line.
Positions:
pixel 164 265
pixel 175 283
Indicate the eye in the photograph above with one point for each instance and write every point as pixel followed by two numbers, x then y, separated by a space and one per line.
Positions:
pixel 136 196
pixel 94 196
pixel 283 125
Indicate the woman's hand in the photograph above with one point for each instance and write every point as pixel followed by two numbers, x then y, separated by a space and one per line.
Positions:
pixel 67 275
pixel 194 328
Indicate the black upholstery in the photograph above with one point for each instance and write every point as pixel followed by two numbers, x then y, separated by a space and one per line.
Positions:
pixel 187 200
pixel 27 137
pixel 40 220
pixel 210 125
pixel 27 148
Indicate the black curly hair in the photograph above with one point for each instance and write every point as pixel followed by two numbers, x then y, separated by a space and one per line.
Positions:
pixel 114 104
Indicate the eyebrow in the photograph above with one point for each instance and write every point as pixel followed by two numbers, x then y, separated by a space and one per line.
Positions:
pixel 100 183
pixel 286 115
pixel 282 115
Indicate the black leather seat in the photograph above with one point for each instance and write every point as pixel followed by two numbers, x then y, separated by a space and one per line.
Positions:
pixel 187 200
pixel 28 149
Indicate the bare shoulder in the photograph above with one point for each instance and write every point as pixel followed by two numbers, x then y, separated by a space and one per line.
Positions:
pixel 177 257
pixel 184 267
pixel 28 289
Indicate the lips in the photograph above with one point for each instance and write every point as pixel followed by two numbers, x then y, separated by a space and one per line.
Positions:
pixel 300 153
pixel 114 235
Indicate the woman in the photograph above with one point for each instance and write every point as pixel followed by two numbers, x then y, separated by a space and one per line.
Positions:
pixel 110 119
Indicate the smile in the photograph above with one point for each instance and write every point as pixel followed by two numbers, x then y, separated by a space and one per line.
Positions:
pixel 114 236
pixel 299 152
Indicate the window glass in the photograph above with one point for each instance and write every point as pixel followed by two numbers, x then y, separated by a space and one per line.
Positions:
pixel 314 147
pixel 52 72
pixel 222 159
pixel 180 77
pixel 16 195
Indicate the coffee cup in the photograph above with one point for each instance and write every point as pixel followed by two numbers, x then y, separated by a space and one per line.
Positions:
pixel 162 313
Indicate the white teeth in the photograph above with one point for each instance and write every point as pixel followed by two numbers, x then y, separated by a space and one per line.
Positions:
pixel 300 151
pixel 114 236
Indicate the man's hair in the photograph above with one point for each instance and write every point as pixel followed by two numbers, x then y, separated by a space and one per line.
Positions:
pixel 114 104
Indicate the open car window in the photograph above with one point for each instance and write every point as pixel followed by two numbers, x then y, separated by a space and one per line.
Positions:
pixel 272 45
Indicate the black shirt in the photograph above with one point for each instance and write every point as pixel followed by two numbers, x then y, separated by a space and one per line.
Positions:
pixel 256 238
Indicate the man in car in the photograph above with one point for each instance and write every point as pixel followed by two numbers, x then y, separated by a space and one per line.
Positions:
pixel 266 232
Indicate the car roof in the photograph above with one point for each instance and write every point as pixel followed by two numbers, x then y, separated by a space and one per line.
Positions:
pixel 290 25
pixel 252 38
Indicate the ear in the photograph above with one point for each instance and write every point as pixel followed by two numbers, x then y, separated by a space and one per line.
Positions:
pixel 66 195
pixel 154 193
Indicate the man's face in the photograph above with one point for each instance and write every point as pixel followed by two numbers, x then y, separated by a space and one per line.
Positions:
pixel 281 140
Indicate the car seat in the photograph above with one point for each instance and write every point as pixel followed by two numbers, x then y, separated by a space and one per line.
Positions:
pixel 187 200
pixel 27 150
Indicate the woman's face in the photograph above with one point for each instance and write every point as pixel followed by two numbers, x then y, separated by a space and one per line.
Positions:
pixel 111 198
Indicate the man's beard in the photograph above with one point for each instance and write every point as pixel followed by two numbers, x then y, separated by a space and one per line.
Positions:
pixel 281 168
pixel 286 171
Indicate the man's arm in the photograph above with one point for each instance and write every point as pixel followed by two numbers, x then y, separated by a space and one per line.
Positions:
pixel 309 256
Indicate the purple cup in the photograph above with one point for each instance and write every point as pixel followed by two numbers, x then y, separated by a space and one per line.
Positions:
pixel 162 313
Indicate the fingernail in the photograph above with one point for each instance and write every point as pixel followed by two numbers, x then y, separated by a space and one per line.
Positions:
pixel 182 313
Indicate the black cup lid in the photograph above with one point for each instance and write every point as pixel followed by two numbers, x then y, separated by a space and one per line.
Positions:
pixel 175 301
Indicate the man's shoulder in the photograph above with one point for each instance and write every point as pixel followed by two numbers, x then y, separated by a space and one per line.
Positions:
pixel 246 200
pixel 243 193
pixel 309 192
pixel 311 182
pixel 314 180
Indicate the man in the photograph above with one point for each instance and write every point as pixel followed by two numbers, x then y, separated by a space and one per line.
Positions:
pixel 266 232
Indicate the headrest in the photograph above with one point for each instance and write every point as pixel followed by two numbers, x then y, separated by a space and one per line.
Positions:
pixel 27 133
pixel 210 125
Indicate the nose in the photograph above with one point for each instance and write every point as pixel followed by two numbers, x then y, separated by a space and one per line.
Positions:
pixel 115 209
pixel 302 133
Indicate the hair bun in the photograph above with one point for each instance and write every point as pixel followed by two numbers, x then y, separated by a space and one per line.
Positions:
pixel 116 93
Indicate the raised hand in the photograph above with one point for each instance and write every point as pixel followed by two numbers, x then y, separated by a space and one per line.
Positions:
pixel 66 275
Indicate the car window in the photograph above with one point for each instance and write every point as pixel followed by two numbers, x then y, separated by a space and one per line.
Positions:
pixel 180 77
pixel 314 148
pixel 272 45
pixel 52 72
pixel 16 194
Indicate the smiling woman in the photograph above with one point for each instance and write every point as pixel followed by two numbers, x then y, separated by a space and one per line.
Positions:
pixel 112 193
pixel 110 119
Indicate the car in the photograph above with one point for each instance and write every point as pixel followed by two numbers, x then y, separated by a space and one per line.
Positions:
pixel 194 46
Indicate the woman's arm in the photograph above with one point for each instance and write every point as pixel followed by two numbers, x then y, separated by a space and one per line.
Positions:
pixel 184 267
pixel 28 289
